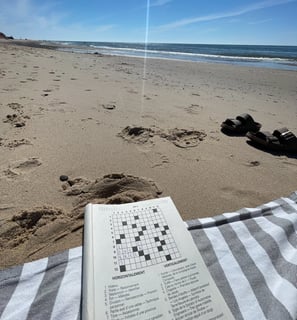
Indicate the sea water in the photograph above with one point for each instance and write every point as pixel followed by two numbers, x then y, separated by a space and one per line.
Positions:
pixel 277 57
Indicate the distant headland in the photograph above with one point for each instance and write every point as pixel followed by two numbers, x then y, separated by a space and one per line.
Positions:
pixel 3 36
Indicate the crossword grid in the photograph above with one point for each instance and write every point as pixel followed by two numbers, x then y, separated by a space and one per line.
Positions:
pixel 141 238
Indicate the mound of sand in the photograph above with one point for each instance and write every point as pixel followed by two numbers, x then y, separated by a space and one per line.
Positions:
pixel 38 232
pixel 30 231
pixel 111 189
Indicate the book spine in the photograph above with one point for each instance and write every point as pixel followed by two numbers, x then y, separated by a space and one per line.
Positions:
pixel 88 305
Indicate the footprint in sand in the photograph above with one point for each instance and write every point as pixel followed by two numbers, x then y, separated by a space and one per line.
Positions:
pixel 16 119
pixel 21 167
pixel 16 143
pixel 181 138
pixel 184 138
pixel 194 109
pixel 139 135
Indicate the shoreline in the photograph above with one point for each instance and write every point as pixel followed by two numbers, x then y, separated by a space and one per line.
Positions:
pixel 81 47
pixel 72 111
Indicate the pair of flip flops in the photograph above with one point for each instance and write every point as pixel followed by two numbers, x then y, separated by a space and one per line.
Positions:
pixel 280 140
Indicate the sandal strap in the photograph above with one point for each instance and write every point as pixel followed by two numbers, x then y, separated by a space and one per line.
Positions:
pixel 278 132
pixel 270 137
pixel 245 118
pixel 233 122
pixel 285 136
pixel 288 137
pixel 267 136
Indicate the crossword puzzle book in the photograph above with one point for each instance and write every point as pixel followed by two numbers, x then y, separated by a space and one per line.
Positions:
pixel 140 262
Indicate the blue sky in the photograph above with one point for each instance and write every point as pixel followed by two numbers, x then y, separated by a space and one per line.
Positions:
pixel 186 21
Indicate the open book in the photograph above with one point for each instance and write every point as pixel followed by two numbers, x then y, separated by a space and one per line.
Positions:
pixel 140 262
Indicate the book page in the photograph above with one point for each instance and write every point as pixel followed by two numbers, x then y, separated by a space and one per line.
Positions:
pixel 142 263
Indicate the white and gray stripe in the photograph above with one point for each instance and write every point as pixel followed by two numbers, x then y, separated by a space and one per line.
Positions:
pixel 70 287
pixel 9 280
pixel 49 287
pixel 25 292
pixel 251 254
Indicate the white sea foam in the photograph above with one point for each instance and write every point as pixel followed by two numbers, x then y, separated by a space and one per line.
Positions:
pixel 250 56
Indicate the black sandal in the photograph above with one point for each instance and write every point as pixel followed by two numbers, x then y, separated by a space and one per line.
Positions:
pixel 280 140
pixel 241 125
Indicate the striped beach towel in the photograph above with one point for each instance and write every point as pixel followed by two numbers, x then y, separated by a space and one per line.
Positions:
pixel 251 254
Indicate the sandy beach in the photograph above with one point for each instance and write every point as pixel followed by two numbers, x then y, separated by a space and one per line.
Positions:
pixel 123 129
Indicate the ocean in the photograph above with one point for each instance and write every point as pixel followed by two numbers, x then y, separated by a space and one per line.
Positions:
pixel 275 57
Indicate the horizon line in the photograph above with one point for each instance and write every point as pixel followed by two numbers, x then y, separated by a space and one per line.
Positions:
pixel 159 42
